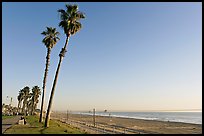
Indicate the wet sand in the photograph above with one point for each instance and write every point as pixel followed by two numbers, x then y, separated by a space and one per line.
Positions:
pixel 161 127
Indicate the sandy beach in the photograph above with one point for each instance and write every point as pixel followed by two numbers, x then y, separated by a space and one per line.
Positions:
pixel 149 126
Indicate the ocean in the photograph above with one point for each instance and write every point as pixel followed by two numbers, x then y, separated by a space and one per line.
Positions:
pixel 186 117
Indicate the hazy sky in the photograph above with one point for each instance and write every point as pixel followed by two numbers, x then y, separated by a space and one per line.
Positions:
pixel 128 56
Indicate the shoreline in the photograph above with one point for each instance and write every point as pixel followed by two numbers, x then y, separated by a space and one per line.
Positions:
pixel 138 118
pixel 157 126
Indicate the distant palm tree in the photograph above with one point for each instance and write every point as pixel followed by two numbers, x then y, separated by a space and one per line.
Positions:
pixel 50 40
pixel 20 99
pixel 70 23
pixel 34 98
pixel 26 96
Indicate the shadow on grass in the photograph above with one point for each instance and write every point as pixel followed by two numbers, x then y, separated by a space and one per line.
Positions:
pixel 42 130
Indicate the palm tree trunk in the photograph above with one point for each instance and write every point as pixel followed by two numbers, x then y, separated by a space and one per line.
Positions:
pixel 32 107
pixel 35 106
pixel 25 104
pixel 44 83
pixel 23 109
pixel 27 108
pixel 52 94
pixel 62 53
pixel 18 106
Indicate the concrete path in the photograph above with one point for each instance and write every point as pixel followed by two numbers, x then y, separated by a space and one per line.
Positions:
pixel 7 123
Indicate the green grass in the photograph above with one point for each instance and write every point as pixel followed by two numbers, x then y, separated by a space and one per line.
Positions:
pixel 7 117
pixel 34 127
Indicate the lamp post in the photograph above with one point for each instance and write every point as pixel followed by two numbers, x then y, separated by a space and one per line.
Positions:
pixel 67 115
pixel 94 116
pixel 10 100
pixel 10 108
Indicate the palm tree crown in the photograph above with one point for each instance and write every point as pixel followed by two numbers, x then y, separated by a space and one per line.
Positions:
pixel 70 19
pixel 51 37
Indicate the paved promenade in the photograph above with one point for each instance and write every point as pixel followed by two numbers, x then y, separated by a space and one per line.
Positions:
pixel 7 123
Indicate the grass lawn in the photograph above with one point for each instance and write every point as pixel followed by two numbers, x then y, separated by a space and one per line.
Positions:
pixel 34 127
pixel 6 117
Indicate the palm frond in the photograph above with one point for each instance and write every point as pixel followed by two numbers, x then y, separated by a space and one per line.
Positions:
pixel 80 15
pixel 69 8
pixel 76 27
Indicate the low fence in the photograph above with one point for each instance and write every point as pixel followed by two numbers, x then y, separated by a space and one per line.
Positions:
pixel 102 128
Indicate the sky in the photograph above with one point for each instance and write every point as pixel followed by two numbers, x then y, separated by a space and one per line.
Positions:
pixel 128 56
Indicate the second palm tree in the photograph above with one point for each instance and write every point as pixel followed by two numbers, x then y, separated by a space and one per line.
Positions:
pixel 50 40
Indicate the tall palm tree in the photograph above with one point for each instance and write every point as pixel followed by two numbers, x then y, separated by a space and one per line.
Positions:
pixel 70 23
pixel 34 98
pixel 50 40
